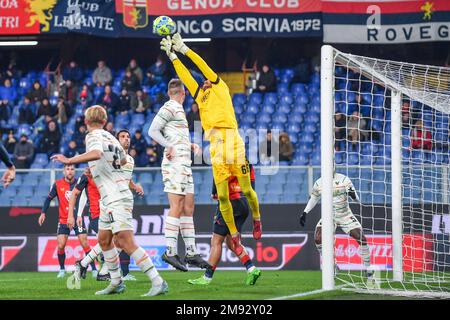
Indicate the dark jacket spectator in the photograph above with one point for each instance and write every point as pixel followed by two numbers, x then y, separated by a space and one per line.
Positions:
pixel 108 99
pixel 157 72
pixel 72 149
pixel 124 102
pixel 37 93
pixel 73 73
pixel 286 148
pixel 140 102
pixel 27 112
pixel 7 92
pixel 138 142
pixel 46 109
pixel 5 111
pixel 268 149
pixel 149 158
pixel 340 122
pixel 10 142
pixel 102 74
pixel 193 116
pixel 130 82
pixel 420 137
pixel 51 139
pixel 356 128
pixel 79 137
pixel 136 70
pixel 69 91
pixel 23 153
pixel 267 82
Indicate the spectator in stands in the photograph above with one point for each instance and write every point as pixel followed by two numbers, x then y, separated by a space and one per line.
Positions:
pixel 73 73
pixel 23 152
pixel 130 82
pixel 340 122
pixel 63 111
pixel 356 127
pixel 79 138
pixel 110 128
pixel 193 116
pixel 10 142
pixel 108 99
pixel 157 150
pixel 140 102
pixel 85 94
pixel 156 73
pixel 51 139
pixel 37 93
pixel 46 109
pixel 102 74
pixel 124 102
pixel 7 92
pixel 420 137
pixel 27 112
pixel 11 72
pixel 267 82
pixel 69 91
pixel 265 149
pixel 5 111
pixel 138 142
pixel 72 149
pixel 302 71
pixel 286 148
pixel 136 70
pixel 149 158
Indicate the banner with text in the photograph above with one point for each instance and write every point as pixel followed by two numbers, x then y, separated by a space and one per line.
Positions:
pixel 389 21
pixel 133 18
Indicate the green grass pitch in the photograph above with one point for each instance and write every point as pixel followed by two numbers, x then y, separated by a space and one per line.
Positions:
pixel 227 285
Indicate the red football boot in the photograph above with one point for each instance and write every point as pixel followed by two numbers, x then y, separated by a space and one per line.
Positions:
pixel 257 229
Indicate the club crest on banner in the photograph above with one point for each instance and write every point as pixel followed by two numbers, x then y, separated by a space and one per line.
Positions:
pixel 135 13
pixel 40 11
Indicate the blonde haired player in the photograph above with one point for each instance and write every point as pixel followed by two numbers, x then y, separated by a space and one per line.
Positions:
pixel 170 129
pixel 227 148
pixel 106 157
pixel 343 215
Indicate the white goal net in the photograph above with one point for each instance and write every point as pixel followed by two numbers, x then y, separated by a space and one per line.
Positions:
pixel 391 138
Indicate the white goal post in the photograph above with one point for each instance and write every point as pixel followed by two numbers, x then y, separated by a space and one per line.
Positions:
pixel 392 141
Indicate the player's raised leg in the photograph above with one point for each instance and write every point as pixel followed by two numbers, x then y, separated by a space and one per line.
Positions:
pixel 253 273
pixel 252 198
pixel 187 229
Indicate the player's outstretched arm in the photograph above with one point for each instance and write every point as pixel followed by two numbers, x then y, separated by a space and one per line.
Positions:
pixel 180 46
pixel 182 72
pixel 81 158
pixel 136 188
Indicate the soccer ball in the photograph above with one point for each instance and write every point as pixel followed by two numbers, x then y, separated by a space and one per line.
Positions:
pixel 164 26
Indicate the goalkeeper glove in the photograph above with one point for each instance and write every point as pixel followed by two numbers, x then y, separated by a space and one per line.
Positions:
pixel 166 45
pixel 178 44
pixel 303 219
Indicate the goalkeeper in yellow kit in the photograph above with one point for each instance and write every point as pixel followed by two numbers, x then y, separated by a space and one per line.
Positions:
pixel 219 123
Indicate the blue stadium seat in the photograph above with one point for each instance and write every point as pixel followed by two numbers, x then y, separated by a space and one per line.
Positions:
pixel 255 98
pixel 268 108
pixel 286 98
pixel 282 88
pixel 270 98
pixel 239 99
pixel 252 108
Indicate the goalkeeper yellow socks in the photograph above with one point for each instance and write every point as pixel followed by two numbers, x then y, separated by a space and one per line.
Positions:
pixel 251 195
pixel 226 209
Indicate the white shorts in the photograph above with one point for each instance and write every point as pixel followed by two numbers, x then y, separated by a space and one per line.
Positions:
pixel 177 177
pixel 347 223
pixel 116 217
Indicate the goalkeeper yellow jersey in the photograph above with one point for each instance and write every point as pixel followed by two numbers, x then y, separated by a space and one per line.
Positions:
pixel 215 105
